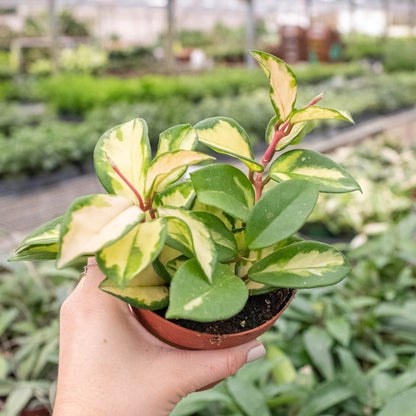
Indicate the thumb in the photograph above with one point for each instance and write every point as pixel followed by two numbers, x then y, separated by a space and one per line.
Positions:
pixel 203 369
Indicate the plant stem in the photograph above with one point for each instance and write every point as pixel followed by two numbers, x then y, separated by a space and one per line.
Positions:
pixel 278 135
pixel 127 182
pixel 316 99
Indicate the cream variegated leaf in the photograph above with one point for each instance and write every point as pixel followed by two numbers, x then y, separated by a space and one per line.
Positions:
pixel 181 137
pixel 169 167
pixel 180 195
pixel 145 291
pixel 314 167
pixel 316 113
pixel 93 222
pixel 127 147
pixel 199 238
pixel 46 234
pixel 36 252
pixel 131 254
pixel 283 86
pixel 300 265
pixel 225 135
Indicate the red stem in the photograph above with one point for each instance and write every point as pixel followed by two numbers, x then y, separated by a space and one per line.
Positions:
pixel 278 135
pixel 127 182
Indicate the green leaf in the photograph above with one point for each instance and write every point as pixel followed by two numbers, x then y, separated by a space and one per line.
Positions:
pixel 296 135
pixel 181 137
pixel 169 167
pixel 6 318
pixel 224 187
pixel 46 234
pixel 283 86
pixel 325 396
pixel 280 212
pixel 314 167
pixel 147 290
pixel 128 147
pixel 318 344
pixel 37 252
pixel 41 244
pixel 179 195
pixel 283 370
pixel 131 254
pixel 17 401
pixel 195 402
pixel 340 329
pixel 404 404
pixel 301 265
pixel 223 238
pixel 198 238
pixel 316 113
pixel 192 297
pixel 173 265
pixel 93 222
pixel 248 397
pixel 225 135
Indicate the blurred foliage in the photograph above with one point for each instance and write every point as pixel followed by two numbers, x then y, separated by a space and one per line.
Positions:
pixel 400 55
pixel 131 59
pixel 30 300
pixel 396 54
pixel 68 25
pixel 384 168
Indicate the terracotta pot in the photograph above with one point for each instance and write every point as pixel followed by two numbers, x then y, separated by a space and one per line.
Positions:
pixel 181 337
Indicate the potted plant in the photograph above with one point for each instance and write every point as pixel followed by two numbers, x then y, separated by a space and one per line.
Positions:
pixel 216 250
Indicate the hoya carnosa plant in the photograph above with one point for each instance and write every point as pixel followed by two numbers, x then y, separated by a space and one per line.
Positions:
pixel 201 246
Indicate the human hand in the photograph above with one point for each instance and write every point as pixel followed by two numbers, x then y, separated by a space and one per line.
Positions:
pixel 110 365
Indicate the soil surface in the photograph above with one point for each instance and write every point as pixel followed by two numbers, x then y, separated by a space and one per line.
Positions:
pixel 258 310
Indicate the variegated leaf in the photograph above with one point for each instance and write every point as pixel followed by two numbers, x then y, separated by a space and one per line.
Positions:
pixel 181 137
pixel 128 147
pixel 93 222
pixel 165 256
pixel 169 167
pixel 223 238
pixel 314 167
pixel 316 113
pixel 173 265
pixel 227 219
pixel 192 297
pixel 295 136
pixel 179 237
pixel 145 291
pixel 225 135
pixel 280 212
pixel 301 265
pixel 203 247
pixel 46 234
pixel 36 252
pixel 224 187
pixel 180 195
pixel 244 266
pixel 131 254
pixel 283 86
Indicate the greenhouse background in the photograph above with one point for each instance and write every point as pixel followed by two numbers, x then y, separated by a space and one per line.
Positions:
pixel 70 70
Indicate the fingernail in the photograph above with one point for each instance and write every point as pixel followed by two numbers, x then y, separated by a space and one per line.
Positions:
pixel 256 353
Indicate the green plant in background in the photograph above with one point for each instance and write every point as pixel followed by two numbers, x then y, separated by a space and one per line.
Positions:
pixel 217 235
pixel 30 299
